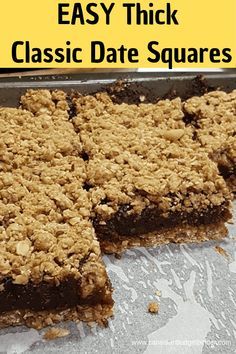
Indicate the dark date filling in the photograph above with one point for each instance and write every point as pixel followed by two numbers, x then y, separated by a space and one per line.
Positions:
pixel 227 172
pixel 45 296
pixel 150 220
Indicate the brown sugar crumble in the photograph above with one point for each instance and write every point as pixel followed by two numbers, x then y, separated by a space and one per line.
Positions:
pixel 153 307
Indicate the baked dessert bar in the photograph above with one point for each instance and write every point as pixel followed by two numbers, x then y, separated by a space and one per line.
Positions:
pixel 148 181
pixel 135 174
pixel 50 260
pixel 213 118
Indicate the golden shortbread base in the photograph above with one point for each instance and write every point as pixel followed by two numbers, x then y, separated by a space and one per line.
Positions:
pixel 39 319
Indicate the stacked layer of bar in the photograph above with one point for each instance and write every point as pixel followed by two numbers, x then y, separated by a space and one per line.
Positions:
pixel 149 181
pixel 50 260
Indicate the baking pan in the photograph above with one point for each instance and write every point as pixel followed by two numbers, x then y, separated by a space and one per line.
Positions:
pixel 195 285
pixel 158 84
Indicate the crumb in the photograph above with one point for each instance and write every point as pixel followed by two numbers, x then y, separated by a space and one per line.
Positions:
pixel 54 333
pixel 91 324
pixel 142 98
pixel 118 255
pixel 231 221
pixel 127 172
pixel 103 322
pixel 153 307
pixel 221 251
pixel 158 293
pixel 212 117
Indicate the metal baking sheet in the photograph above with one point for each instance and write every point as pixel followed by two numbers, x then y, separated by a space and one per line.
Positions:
pixel 196 284
pixel 159 83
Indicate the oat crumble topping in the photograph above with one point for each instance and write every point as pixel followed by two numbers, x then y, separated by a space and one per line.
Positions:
pixel 144 155
pixel 56 175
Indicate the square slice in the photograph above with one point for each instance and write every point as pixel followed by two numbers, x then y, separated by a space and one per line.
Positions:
pixel 148 181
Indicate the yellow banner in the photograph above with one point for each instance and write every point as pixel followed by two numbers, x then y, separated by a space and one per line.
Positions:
pixel 124 34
